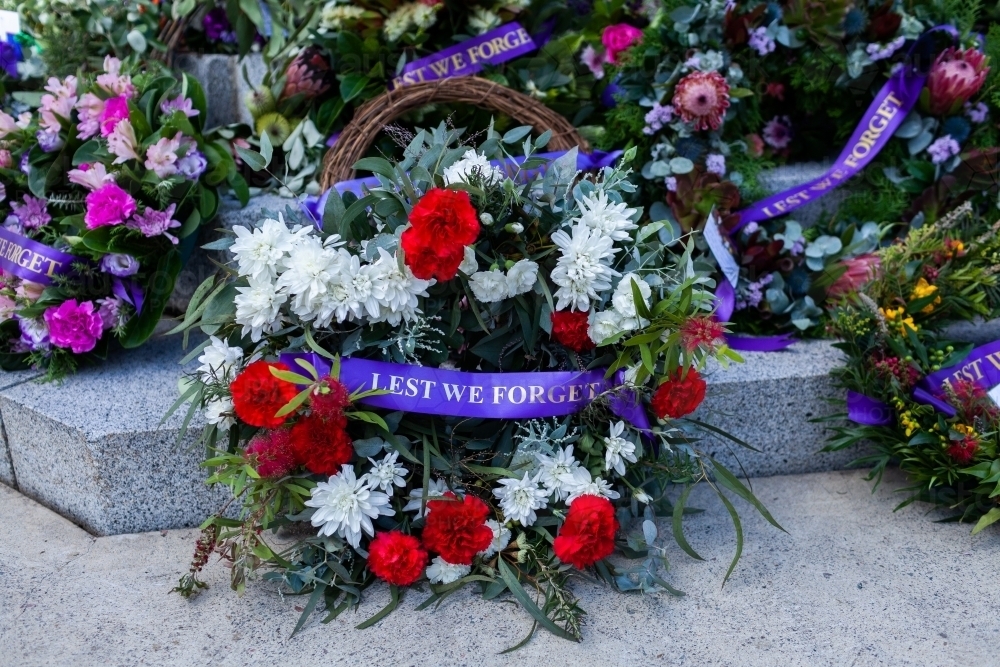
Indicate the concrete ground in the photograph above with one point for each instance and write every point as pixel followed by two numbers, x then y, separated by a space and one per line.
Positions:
pixel 851 584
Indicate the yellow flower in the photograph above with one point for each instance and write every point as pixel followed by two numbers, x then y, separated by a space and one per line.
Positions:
pixel 965 429
pixel 894 316
pixel 922 290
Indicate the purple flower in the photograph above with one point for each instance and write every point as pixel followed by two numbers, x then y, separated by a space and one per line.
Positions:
pixel 760 40
pixel 25 167
pixel 74 325
pixel 34 334
pixel 977 113
pixel 153 223
pixel 179 103
pixel 878 52
pixel 657 117
pixel 217 27
pixel 12 223
pixel 193 164
pixel 716 164
pixel 750 228
pixel 49 141
pixel 120 265
pixel 109 311
pixel 671 183
pixel 332 141
pixel 943 149
pixel 778 132
pixel 32 214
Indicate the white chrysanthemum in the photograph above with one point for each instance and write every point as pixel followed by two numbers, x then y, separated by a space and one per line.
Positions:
pixel 435 489
pixel 552 468
pixel 604 325
pixel 386 473
pixel 369 290
pixel 606 217
pixel 519 498
pixel 579 483
pixel 220 412
pixel 522 277
pixel 469 263
pixel 489 286
pixel 583 269
pixel 472 166
pixel 258 308
pixel 311 268
pixel 501 538
pixel 339 302
pixel 617 449
pixel 346 506
pixel 218 359
pixel 261 252
pixel 623 299
pixel 401 289
pixel 482 20
pixel 441 571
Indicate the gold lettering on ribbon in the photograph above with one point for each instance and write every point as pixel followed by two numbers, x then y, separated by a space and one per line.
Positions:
pixel 970 372
pixel 873 133
pixel 473 55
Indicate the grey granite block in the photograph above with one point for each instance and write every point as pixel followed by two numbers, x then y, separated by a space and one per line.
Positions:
pixel 768 402
pixel 225 86
pixel 92 449
pixel 10 379
pixel 977 331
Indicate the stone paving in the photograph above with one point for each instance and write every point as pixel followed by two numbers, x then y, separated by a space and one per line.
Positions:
pixel 852 583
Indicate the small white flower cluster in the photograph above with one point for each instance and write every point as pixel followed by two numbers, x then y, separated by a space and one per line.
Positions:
pixel 473 163
pixel 319 280
pixel 623 314
pixel 410 15
pixel 493 286
pixel 345 505
pixel 220 364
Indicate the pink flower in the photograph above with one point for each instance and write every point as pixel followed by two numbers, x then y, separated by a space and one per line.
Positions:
pixel 7 307
pixel 153 223
pixel 778 132
pixel 113 81
pixel 860 271
pixel 29 290
pixel 74 325
pixel 115 110
pixel 955 77
pixel 108 205
pixel 7 124
pixel 89 109
pixel 5 159
pixel 755 145
pixel 161 157
pixel 618 38
pixel 58 103
pixel 90 176
pixel 122 143
pixel 702 98
pixel 594 61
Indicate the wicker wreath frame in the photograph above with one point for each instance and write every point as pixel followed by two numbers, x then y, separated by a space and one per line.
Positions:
pixel 373 116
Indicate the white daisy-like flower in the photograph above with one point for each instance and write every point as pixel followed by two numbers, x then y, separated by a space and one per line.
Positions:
pixel 580 483
pixel 441 571
pixel 345 506
pixel 258 308
pixel 218 359
pixel 604 325
pixel 606 217
pixel 501 538
pixel 482 20
pixel 401 289
pixel 472 166
pixel 261 252
pixel 552 468
pixel 311 268
pixel 386 473
pixel 489 286
pixel 624 301
pixel 436 488
pixel 583 269
pixel 519 498
pixel 369 289
pixel 521 277
pixel 220 412
pixel 469 263
pixel 617 449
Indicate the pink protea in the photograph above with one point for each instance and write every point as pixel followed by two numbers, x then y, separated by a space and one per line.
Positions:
pixel 308 74
pixel 954 78
pixel 860 271
pixel 702 98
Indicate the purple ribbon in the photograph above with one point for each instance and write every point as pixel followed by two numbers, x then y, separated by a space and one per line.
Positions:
pixel 435 391
pixel 130 292
pixel 466 58
pixel 10 54
pixel 31 260
pixel 868 411
pixel 725 304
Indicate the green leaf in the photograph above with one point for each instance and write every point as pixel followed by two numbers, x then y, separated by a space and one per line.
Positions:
pixel 313 601
pixel 529 605
pixel 376 165
pixel 253 159
pixel 266 149
pixel 158 292
pixel 293 404
pixel 388 609
pixel 728 480
pixel 289 376
pixel 523 642
pixel 678 527
pixel 987 519
pixel 352 85
pixel 739 535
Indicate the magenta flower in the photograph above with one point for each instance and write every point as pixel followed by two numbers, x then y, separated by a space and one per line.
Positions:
pixel 108 205
pixel 115 109
pixel 618 38
pixel 74 325
pixel 153 223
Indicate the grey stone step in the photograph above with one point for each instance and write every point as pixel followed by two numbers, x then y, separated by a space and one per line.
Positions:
pixel 221 76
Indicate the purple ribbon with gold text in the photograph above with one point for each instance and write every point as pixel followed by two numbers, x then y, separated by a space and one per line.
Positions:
pixel 31 260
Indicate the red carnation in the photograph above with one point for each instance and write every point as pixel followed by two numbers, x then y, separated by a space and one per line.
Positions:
pixel 457 529
pixel 271 453
pixel 329 399
pixel 442 223
pixel 258 395
pixel 588 534
pixel 322 445
pixel 431 258
pixel 570 330
pixel 679 396
pixel 396 558
pixel 701 331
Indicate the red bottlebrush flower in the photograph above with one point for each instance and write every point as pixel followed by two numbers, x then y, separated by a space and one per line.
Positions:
pixel 322 446
pixel 456 529
pixel 955 77
pixel 396 558
pixel 679 396
pixel 588 534
pixel 702 98
pixel 329 399
pixel 860 271
pixel 702 330
pixel 442 223
pixel 271 453
pixel 973 400
pixel 308 74
pixel 258 395
pixel 569 329
pixel 964 450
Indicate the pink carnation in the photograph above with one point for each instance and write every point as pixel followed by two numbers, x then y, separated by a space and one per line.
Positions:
pixel 618 38
pixel 74 325
pixel 115 109
pixel 108 205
